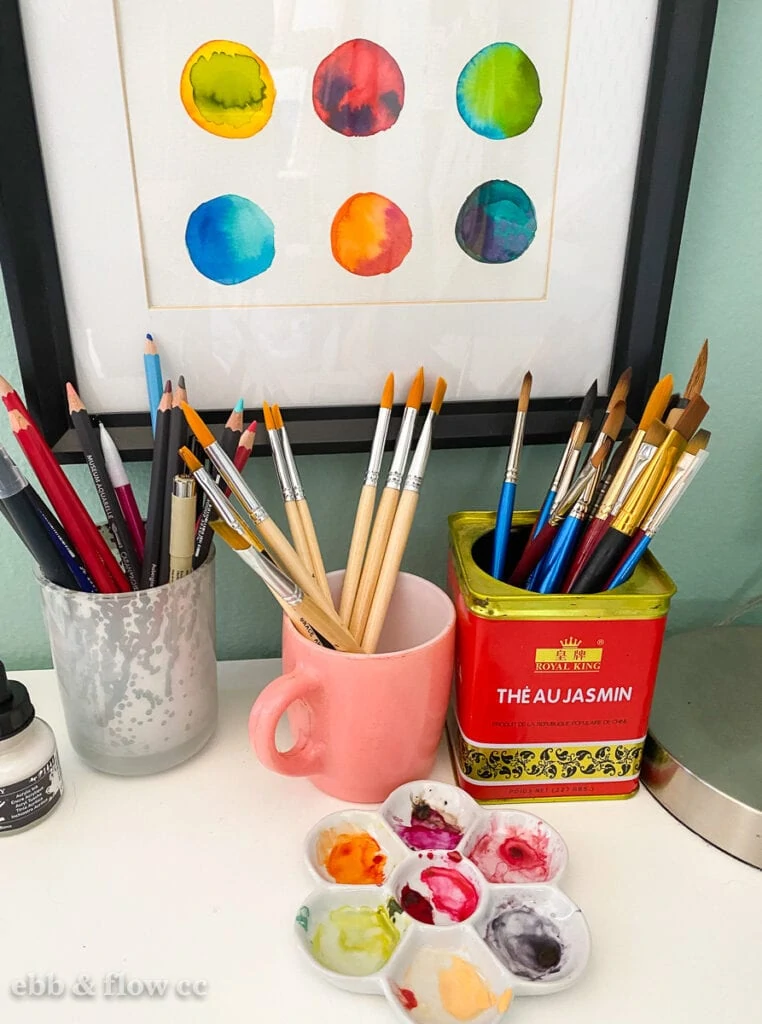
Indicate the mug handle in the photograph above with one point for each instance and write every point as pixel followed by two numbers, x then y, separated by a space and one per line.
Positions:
pixel 306 755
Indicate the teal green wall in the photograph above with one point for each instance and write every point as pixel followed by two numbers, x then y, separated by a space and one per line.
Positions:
pixel 718 295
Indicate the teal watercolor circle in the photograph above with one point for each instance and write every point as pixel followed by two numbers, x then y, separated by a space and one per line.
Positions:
pixel 496 223
pixel 230 239
pixel 498 92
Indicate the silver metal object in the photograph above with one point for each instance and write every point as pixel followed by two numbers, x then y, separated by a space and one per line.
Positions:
pixel 281 468
pixel 226 468
pixel 514 453
pixel 377 448
pixel 402 449
pixel 292 471
pixel 703 756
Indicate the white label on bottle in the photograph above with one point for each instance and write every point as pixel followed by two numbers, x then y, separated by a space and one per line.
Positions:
pixel 26 801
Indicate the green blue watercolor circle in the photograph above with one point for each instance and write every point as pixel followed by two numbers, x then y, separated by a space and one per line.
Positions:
pixel 498 92
pixel 497 222
pixel 230 239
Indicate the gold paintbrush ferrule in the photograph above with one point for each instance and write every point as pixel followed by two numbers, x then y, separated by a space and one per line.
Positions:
pixel 616 485
pixel 650 482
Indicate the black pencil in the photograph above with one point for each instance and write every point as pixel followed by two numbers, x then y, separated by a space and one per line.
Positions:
pixel 231 435
pixel 178 435
pixel 91 447
pixel 152 554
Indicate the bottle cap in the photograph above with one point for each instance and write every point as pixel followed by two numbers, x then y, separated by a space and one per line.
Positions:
pixel 16 710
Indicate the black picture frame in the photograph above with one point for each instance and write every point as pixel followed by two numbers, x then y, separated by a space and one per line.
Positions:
pixel 680 59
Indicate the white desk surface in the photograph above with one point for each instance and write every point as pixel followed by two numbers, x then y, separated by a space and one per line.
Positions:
pixel 196 874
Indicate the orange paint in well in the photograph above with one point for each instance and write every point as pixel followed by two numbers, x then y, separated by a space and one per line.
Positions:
pixel 352 858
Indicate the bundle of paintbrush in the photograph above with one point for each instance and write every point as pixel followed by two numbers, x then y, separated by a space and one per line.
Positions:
pixel 595 525
pixel 294 572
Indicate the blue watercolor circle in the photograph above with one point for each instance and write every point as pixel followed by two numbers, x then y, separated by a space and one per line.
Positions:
pixel 497 222
pixel 230 239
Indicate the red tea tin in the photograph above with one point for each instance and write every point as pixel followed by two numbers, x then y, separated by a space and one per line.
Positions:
pixel 552 692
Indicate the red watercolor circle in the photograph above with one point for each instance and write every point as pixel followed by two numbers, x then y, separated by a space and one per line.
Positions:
pixel 358 89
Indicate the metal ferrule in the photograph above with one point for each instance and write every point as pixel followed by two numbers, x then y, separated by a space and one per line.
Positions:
pixel 219 502
pixel 184 487
pixel 562 464
pixel 684 472
pixel 566 478
pixel 514 455
pixel 402 449
pixel 373 471
pixel 225 467
pixel 650 483
pixel 569 500
pixel 281 585
pixel 612 494
pixel 11 478
pixel 281 469
pixel 643 456
pixel 582 505
pixel 414 477
pixel 291 470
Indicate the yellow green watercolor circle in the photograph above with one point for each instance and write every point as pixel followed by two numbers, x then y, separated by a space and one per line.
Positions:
pixel 227 89
pixel 498 92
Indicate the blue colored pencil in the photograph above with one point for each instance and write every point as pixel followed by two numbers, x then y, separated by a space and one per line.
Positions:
pixel 60 539
pixel 154 379
pixel 504 515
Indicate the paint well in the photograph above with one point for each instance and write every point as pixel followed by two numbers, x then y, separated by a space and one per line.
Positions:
pixel 370 235
pixel 498 92
pixel 227 89
pixel 527 942
pixel 441 987
pixel 351 856
pixel 358 89
pixel 514 853
pixel 230 239
pixel 444 895
pixel 497 222
pixel 356 940
pixel 428 828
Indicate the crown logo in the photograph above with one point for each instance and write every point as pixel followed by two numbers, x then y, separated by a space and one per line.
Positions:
pixel 571 642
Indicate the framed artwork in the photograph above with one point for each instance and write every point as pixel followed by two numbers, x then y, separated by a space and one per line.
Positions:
pixel 297 196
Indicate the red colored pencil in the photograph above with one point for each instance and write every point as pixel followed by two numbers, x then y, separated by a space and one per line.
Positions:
pixel 243 451
pixel 85 536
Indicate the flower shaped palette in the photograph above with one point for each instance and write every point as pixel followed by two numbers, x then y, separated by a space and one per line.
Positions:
pixel 446 908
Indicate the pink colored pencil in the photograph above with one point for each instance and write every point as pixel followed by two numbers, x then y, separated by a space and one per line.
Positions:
pixel 124 492
pixel 245 445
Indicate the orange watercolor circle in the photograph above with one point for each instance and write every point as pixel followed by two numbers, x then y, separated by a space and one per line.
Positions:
pixel 227 89
pixel 370 235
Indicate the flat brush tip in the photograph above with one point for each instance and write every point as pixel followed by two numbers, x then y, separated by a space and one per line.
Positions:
pixel 229 535
pixel 197 425
pixel 277 417
pixel 387 395
pixel 439 393
pixel 526 389
pixel 190 459
pixel 691 418
pixel 267 413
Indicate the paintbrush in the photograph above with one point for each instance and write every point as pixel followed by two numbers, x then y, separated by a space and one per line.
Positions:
pixel 573 447
pixel 403 522
pixel 614 543
pixel 689 463
pixel 387 506
pixel 366 503
pixel 597 526
pixel 270 531
pixel 504 517
pixel 298 536
pixel 694 386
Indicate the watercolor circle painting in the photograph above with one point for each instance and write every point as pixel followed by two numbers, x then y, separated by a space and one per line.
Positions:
pixel 497 222
pixel 230 239
pixel 227 89
pixel 358 89
pixel 370 235
pixel 498 92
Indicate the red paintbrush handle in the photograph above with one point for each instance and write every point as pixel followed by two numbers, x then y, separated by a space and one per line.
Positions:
pixel 533 552
pixel 588 544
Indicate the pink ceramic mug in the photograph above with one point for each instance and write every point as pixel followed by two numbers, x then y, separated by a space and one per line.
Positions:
pixel 364 723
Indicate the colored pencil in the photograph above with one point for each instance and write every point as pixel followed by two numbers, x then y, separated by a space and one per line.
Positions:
pixel 154 379
pixel 387 506
pixel 313 546
pixel 269 530
pixel 64 544
pixel 287 490
pixel 124 492
pixel 182 527
pixel 504 517
pixel 21 514
pixel 403 522
pixel 149 576
pixel 615 541
pixel 575 444
pixel 91 448
pixel 100 563
pixel 178 436
pixel 366 503
pixel 231 436
pixel 245 447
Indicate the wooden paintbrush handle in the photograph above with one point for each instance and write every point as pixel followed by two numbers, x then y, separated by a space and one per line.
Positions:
pixel 298 536
pixel 336 634
pixel 291 564
pixel 379 535
pixel 313 548
pixel 390 567
pixel 357 546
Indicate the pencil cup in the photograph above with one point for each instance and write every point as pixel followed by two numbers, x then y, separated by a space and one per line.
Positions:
pixel 137 672
pixel 364 724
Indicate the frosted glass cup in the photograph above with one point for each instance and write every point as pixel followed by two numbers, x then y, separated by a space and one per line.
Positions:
pixel 137 672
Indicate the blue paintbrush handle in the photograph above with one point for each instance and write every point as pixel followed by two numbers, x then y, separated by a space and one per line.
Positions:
pixel 502 529
pixel 627 568
pixel 557 559
pixel 544 515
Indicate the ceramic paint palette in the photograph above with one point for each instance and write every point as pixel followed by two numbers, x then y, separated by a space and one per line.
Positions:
pixel 446 908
